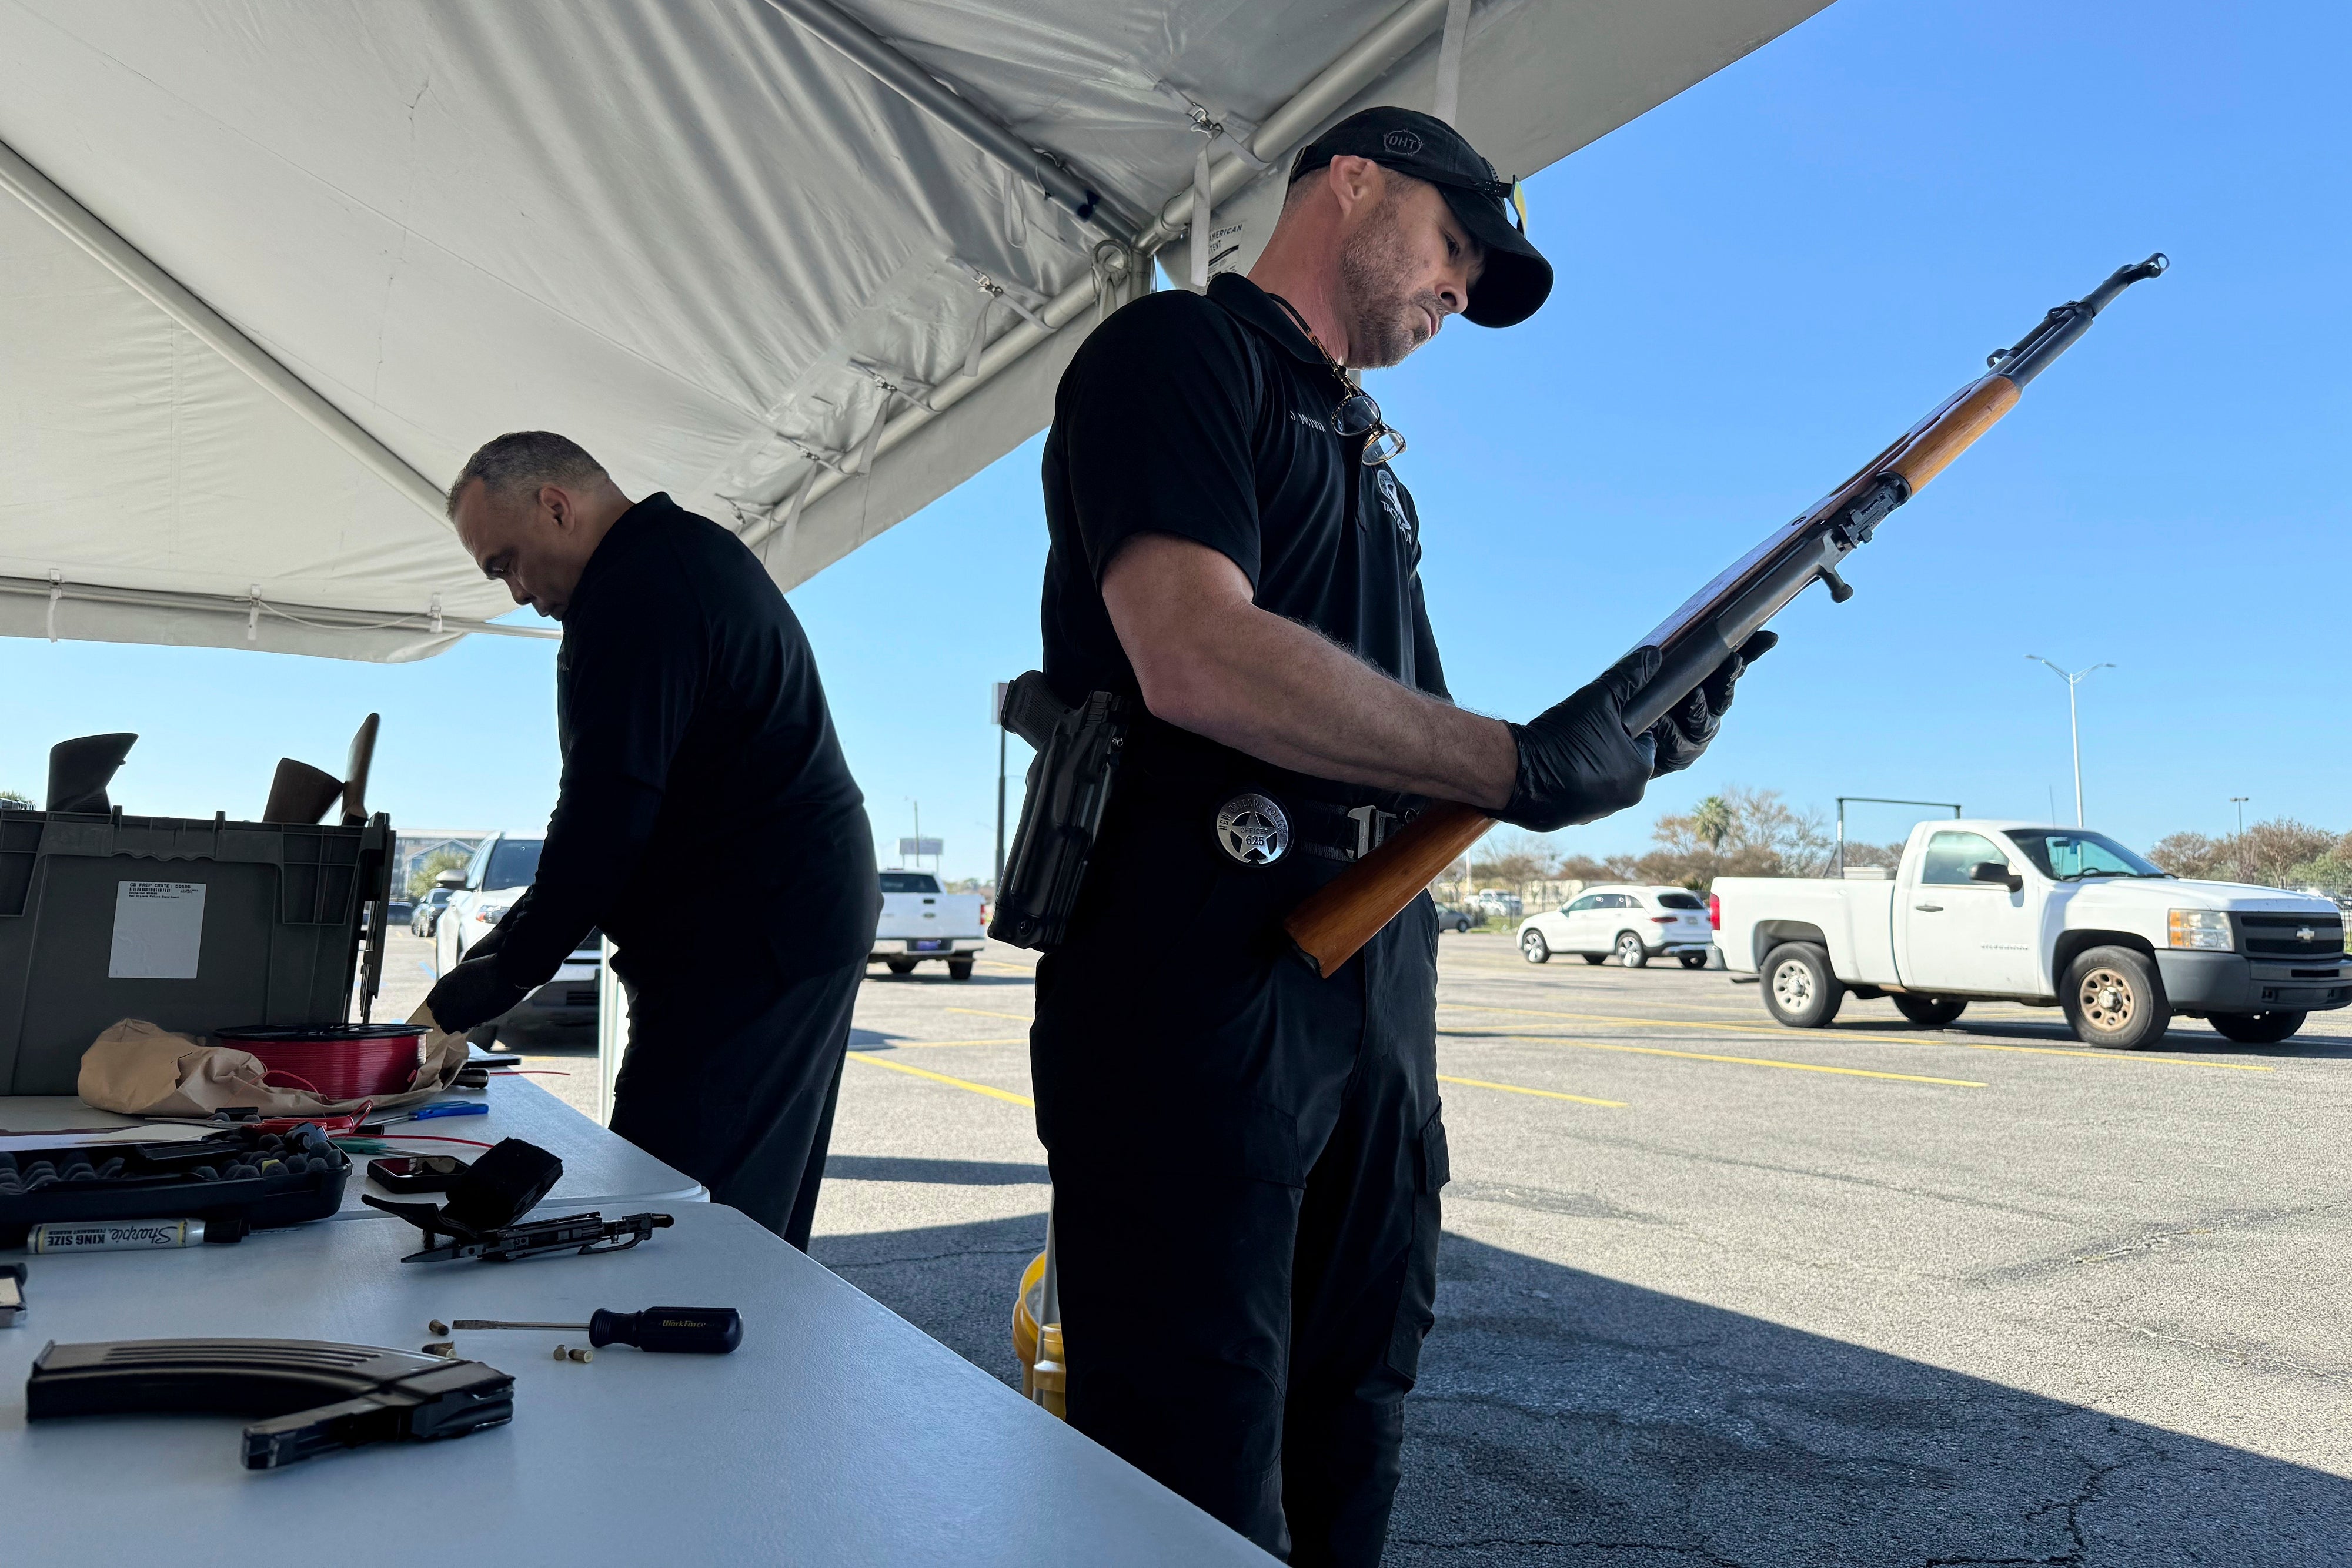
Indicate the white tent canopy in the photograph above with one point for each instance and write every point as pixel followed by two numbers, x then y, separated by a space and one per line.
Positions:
pixel 278 269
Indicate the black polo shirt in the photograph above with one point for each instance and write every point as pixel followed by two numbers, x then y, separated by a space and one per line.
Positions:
pixel 1210 418
pixel 707 820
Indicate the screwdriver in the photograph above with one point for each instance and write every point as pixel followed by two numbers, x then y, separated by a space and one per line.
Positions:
pixel 691 1331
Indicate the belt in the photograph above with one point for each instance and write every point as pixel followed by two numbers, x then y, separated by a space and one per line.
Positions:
pixel 1341 834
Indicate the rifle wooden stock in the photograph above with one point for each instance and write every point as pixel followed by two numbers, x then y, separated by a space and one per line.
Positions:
pixel 1331 923
pixel 1329 926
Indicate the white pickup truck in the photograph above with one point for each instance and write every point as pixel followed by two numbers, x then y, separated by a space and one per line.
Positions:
pixel 2047 917
pixel 921 921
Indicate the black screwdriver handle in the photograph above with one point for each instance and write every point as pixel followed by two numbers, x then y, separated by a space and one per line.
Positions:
pixel 690 1331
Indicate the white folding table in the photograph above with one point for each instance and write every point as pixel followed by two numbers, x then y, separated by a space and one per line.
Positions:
pixel 837 1434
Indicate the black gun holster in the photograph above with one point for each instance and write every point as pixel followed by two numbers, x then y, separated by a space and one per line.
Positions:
pixel 1078 750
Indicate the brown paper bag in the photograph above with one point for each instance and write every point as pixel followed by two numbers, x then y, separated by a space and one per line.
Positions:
pixel 138 1070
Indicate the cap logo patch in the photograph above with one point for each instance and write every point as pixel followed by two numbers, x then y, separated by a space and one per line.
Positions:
pixel 1403 143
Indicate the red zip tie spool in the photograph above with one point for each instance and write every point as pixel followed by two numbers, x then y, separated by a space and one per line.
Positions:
pixel 336 1060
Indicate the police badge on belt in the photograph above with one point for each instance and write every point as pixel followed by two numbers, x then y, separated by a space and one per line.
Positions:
pixel 1253 829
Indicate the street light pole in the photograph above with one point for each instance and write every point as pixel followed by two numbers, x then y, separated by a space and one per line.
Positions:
pixel 2240 802
pixel 996 714
pixel 2074 722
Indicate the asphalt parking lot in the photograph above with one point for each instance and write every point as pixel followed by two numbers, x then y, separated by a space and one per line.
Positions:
pixel 1714 1292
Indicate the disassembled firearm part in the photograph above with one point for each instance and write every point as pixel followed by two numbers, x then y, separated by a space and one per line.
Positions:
pixel 370 1395
pixel 582 1233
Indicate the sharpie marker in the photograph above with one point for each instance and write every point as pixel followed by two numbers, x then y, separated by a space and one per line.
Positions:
pixel 131 1235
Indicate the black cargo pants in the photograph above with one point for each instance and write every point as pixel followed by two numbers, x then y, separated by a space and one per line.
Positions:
pixel 1247 1161
pixel 734 1080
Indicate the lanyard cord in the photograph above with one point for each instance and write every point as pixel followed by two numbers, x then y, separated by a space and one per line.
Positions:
pixel 1329 362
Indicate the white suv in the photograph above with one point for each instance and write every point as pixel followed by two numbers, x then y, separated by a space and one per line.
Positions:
pixel 560 1012
pixel 1632 924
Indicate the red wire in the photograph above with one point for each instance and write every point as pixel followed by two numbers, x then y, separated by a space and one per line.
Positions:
pixel 414 1138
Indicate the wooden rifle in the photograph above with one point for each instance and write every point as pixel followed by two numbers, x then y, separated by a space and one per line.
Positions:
pixel 1331 925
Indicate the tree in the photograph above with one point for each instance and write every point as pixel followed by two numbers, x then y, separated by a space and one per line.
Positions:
pixel 1512 861
pixel 1741 832
pixel 2192 854
pixel 2281 853
pixel 420 880
pixel 1713 821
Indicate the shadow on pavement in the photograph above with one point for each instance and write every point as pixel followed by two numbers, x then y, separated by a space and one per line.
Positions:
pixel 1566 1418
pixel 955 1282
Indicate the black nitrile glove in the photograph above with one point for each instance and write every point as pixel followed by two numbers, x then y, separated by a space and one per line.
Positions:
pixel 1577 764
pixel 474 992
pixel 1688 727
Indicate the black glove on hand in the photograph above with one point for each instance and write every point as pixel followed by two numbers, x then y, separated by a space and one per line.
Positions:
pixel 1691 724
pixel 1577 764
pixel 474 992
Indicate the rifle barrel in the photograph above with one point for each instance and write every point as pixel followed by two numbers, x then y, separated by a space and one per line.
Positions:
pixel 1333 923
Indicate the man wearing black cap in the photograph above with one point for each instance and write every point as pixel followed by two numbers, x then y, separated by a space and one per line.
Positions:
pixel 1245 1158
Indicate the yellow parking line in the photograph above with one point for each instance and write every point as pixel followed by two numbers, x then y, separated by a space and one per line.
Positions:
pixel 1547 1093
pixel 943 1078
pixel 984 1013
pixel 1016 968
pixel 1703 1056
pixel 1756 1032
pixel 918 1045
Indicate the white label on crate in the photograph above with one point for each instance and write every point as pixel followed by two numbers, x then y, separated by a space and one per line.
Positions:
pixel 158 928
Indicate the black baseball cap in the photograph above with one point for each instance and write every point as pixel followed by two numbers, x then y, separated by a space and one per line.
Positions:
pixel 1516 278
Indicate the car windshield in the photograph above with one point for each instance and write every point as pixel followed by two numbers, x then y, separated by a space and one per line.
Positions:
pixel 2067 856
pixel 513 863
pixel 909 882
pixel 1678 901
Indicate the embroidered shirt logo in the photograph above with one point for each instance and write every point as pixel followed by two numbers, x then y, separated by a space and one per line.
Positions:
pixel 1391 502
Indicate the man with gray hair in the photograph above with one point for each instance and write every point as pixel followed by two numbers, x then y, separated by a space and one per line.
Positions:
pixel 707 821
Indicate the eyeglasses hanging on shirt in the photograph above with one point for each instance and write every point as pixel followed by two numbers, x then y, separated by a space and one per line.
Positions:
pixel 1358 415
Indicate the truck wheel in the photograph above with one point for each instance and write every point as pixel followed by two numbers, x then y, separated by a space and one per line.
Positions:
pixel 1594 957
pixel 2256 1029
pixel 1630 951
pixel 1533 948
pixel 901 966
pixel 1928 1012
pixel 1693 960
pixel 2114 999
pixel 959 968
pixel 1800 989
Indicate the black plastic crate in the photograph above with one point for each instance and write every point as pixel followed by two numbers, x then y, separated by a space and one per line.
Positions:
pixel 281 921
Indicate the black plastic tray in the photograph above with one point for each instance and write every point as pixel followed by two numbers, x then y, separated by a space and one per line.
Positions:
pixel 158 1181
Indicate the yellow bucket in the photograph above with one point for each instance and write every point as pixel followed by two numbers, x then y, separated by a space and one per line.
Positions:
pixel 1043 1379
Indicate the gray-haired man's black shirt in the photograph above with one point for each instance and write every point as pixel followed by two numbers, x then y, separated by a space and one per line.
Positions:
pixel 708 819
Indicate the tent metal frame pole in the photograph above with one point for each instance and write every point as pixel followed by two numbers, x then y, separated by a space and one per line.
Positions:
pixel 339 618
pixel 1362 63
pixel 169 295
pixel 1357 67
pixel 880 58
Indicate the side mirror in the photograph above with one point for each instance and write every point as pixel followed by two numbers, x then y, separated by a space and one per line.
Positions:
pixel 450 879
pixel 1995 871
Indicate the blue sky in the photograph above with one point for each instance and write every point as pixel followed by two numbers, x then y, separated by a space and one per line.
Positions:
pixel 1760 283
